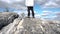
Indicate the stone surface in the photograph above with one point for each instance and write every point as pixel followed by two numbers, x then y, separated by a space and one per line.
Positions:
pixel 6 18
pixel 31 26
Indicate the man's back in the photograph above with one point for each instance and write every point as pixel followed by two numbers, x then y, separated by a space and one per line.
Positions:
pixel 29 2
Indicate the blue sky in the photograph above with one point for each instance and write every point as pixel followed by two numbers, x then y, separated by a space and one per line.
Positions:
pixel 48 9
pixel 40 10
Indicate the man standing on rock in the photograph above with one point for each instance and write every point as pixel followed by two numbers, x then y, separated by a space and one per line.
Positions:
pixel 30 4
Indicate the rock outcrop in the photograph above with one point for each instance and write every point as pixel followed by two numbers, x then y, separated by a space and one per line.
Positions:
pixel 31 26
pixel 6 18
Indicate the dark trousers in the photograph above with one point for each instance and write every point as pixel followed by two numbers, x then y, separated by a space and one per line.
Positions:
pixel 30 8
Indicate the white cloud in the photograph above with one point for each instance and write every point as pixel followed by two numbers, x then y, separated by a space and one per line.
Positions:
pixel 43 3
pixel 57 13
pixel 54 16
pixel 50 15
pixel 37 15
pixel 17 4
pixel 49 3
pixel 11 1
pixel 46 13
pixel 3 4
pixel 8 1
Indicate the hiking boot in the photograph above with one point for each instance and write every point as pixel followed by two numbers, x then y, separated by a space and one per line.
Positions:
pixel 33 17
pixel 28 17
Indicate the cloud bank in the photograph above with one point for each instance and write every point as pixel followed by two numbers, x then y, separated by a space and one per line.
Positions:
pixel 20 5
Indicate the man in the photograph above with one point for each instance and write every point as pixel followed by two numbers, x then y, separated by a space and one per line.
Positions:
pixel 30 4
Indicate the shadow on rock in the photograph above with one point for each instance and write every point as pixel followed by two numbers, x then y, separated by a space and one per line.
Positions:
pixel 7 18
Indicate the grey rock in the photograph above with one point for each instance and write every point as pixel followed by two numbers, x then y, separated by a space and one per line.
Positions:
pixel 31 26
pixel 6 18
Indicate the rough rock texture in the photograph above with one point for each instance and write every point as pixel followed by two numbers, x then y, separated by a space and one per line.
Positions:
pixel 31 26
pixel 6 18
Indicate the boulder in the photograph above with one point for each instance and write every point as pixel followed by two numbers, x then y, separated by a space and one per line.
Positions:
pixel 7 18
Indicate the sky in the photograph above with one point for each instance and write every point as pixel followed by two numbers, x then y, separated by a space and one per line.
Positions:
pixel 48 9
